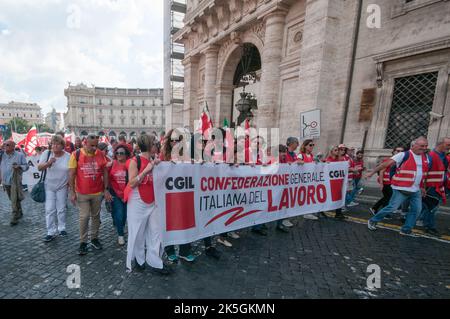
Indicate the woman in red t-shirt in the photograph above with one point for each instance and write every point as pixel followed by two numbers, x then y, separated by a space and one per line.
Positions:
pixel 144 224
pixel 117 184
pixel 306 154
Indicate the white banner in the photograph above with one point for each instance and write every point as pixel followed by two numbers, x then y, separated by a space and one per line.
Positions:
pixel 32 176
pixel 197 201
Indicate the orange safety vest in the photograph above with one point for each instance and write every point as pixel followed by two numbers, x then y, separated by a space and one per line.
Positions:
pixel 436 174
pixel 387 173
pixel 89 178
pixel 307 158
pixel 145 188
pixel 405 175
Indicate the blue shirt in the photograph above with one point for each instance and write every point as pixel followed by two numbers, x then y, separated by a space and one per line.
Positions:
pixel 6 166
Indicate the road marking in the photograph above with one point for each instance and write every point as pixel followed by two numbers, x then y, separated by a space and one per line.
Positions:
pixel 420 233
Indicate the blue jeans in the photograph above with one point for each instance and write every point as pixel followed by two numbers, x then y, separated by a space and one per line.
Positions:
pixel 350 196
pixel 429 208
pixel 119 214
pixel 397 199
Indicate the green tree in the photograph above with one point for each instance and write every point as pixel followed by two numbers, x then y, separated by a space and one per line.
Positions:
pixel 43 128
pixel 18 125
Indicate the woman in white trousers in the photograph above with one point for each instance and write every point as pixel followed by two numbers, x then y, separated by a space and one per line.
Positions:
pixel 144 225
pixel 55 164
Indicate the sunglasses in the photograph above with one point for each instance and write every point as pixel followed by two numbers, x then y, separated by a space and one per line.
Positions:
pixel 121 153
pixel 311 145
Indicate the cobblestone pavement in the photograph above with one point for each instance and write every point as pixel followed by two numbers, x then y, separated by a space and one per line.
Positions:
pixel 317 259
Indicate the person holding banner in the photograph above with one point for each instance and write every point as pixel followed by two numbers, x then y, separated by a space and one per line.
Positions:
pixel 56 163
pixel 144 224
pixel 117 184
pixel 336 155
pixel 172 152
pixel 12 165
pixel 306 156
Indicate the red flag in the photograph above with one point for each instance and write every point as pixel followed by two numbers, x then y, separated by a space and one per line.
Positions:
pixel 31 142
pixel 205 122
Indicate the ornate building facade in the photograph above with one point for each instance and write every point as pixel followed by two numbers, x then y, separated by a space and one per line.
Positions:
pixel 30 112
pixel 377 69
pixel 113 111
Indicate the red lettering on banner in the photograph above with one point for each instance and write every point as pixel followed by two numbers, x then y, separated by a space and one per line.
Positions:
pixel 247 181
pixel 235 217
pixel 321 193
pixel 180 211
pixel 311 193
pixel 270 208
pixel 253 183
pixel 284 202
pixel 301 196
pixel 202 184
pixel 293 196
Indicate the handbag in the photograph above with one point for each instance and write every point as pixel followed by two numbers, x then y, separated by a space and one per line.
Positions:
pixel 38 191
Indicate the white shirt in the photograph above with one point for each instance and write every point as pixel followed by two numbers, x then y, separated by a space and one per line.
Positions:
pixel 398 158
pixel 58 174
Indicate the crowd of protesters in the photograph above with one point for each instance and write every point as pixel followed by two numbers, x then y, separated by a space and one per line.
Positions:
pixel 119 173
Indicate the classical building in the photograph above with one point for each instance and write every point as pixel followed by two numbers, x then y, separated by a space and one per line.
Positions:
pixel 113 111
pixel 54 120
pixel 377 69
pixel 28 111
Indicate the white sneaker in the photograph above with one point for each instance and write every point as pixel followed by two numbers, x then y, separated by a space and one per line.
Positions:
pixel 287 223
pixel 121 241
pixel 233 235
pixel 224 242
pixel 419 223
pixel 311 217
pixel 352 204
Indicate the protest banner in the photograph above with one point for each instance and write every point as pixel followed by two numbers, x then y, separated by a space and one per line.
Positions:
pixel 196 201
pixel 32 175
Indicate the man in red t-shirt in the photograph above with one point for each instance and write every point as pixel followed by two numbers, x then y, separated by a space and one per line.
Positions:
pixel 88 182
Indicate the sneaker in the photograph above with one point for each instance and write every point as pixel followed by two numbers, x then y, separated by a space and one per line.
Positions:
pixel 96 244
pixel 224 242
pixel 212 252
pixel 165 271
pixel 121 241
pixel 282 229
pixel 371 225
pixel 260 231
pixel 339 216
pixel 172 258
pixel 13 222
pixel 419 223
pixel 287 223
pixel 311 217
pixel 83 250
pixel 407 233
pixel 353 204
pixel 63 233
pixel 388 217
pixel 372 211
pixel 49 238
pixel 189 258
pixel 432 232
pixel 233 235
pixel 360 191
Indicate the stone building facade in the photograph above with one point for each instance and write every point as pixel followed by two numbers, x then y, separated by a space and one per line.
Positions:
pixel 377 69
pixel 54 120
pixel 30 112
pixel 113 111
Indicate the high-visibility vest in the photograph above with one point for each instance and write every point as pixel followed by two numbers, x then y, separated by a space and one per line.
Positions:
pixel 387 173
pixel 405 174
pixel 307 158
pixel 90 171
pixel 436 174
pixel 145 188
pixel 359 165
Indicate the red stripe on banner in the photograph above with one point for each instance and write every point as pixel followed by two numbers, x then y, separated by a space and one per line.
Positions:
pixel 180 211
pixel 235 217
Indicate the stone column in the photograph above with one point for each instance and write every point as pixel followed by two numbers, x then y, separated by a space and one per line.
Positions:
pixel 190 89
pixel 268 101
pixel 211 61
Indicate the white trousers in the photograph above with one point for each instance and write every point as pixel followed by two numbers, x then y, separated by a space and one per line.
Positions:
pixel 55 210
pixel 144 233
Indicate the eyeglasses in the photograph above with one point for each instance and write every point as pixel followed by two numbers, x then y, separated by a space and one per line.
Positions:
pixel 121 153
pixel 311 145
pixel 175 141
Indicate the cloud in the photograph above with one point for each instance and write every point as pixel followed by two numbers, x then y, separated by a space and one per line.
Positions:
pixel 116 43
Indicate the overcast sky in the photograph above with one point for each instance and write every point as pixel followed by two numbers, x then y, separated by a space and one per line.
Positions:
pixel 44 44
